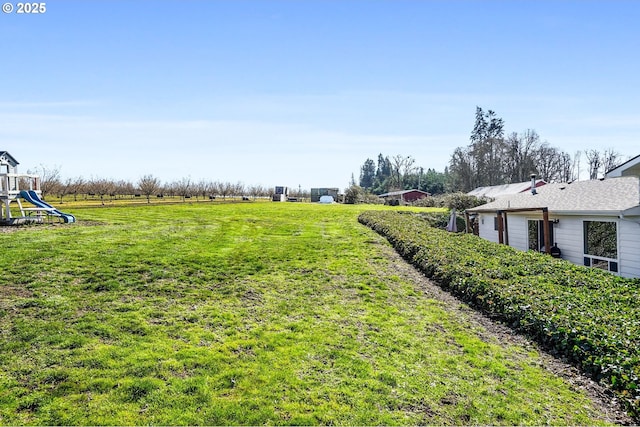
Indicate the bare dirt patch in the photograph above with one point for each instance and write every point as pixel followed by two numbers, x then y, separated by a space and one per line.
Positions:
pixel 495 332
pixel 14 291
pixel 7 229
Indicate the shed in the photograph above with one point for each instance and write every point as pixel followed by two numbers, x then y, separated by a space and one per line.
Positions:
pixel 280 194
pixel 317 193
pixel 404 196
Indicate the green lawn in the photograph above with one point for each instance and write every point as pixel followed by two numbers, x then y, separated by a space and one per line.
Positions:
pixel 254 313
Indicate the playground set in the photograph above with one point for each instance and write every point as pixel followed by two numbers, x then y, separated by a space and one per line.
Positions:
pixel 11 183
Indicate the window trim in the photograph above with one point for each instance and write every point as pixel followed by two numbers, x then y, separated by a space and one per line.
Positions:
pixel 540 233
pixel 591 258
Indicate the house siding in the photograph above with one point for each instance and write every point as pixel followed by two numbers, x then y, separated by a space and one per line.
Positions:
pixel 486 229
pixel 629 245
pixel 568 234
pixel 517 227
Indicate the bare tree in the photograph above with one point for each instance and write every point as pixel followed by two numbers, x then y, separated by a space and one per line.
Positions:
pixel 49 178
pixel 170 188
pixel 149 185
pixel 215 188
pixel 238 189
pixel 63 189
pixel 595 162
pixel 401 167
pixel 76 186
pixel 546 161
pixel 123 188
pixel 408 168
pixel 396 166
pixel 101 187
pixel 610 160
pixel 255 191
pixel 575 167
pixel 566 167
pixel 461 170
pixel 184 188
pixel 520 155
pixel 202 188
pixel 225 189
pixel 602 162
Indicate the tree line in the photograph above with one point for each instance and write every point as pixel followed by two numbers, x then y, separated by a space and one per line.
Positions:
pixel 148 186
pixel 492 157
pixel 399 172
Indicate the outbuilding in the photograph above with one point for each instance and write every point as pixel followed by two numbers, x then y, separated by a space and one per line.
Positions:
pixel 403 197
pixel 317 193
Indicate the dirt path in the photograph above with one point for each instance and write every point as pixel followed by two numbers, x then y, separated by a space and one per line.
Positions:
pixel 495 332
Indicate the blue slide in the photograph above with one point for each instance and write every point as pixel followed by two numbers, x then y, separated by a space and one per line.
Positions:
pixel 32 197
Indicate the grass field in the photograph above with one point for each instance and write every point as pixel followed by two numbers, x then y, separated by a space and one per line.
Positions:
pixel 253 313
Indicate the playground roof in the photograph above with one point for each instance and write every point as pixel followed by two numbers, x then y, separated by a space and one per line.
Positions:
pixel 5 157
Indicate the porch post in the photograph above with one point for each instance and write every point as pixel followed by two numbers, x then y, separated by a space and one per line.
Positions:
pixel 506 230
pixel 466 222
pixel 547 233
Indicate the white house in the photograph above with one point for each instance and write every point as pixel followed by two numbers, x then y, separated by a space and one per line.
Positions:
pixel 594 223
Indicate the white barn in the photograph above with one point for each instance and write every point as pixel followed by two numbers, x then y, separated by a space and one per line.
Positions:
pixel 594 223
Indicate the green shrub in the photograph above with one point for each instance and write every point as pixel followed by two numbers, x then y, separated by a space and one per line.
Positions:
pixel 440 219
pixel 589 316
pixel 459 201
pixel 356 195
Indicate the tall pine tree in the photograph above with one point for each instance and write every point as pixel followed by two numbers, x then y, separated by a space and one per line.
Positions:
pixel 367 174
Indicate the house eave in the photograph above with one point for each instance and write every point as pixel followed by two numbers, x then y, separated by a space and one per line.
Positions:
pixel 586 213
pixel 629 212
pixel 635 211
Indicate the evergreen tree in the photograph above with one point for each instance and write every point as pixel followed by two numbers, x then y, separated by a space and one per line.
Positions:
pixel 383 175
pixel 434 182
pixel 367 174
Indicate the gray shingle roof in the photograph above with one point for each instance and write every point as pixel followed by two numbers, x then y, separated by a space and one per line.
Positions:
pixel 9 158
pixel 495 191
pixel 398 193
pixel 611 195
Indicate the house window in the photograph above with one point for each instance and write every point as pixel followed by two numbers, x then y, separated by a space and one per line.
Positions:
pixel 601 245
pixel 536 235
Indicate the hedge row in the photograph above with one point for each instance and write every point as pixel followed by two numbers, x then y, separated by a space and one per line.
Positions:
pixel 589 316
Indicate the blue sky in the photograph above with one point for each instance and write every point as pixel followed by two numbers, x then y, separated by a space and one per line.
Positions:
pixel 302 92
